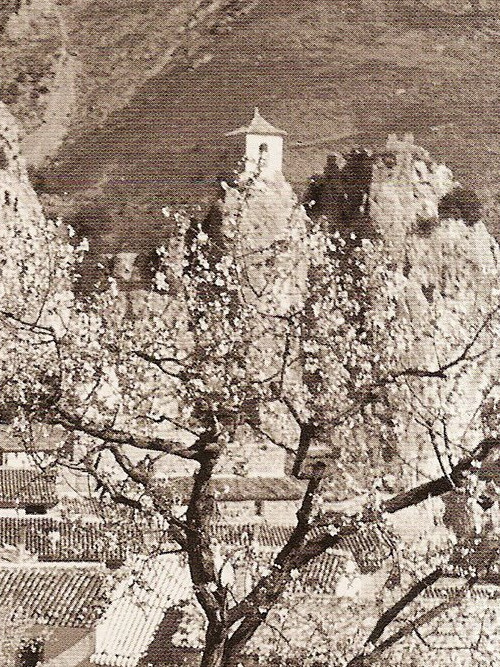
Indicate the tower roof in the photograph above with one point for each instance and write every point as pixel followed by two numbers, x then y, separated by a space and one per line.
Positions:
pixel 258 125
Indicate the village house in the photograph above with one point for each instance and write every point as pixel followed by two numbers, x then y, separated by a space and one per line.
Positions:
pixel 47 511
pixel 58 606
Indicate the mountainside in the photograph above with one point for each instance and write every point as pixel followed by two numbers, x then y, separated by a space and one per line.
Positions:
pixel 158 85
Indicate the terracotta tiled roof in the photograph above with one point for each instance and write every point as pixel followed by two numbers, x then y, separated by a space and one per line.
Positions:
pixel 273 536
pixel 80 506
pixel 370 547
pixel 237 535
pixel 258 125
pixel 320 575
pixel 241 488
pixel 19 487
pixel 450 586
pixel 51 539
pixel 128 627
pixel 258 534
pixel 68 597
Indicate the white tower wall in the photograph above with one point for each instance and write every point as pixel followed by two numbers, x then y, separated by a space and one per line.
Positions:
pixel 263 148
pixel 263 154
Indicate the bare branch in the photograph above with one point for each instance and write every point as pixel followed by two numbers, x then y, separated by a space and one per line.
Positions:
pixel 408 627
pixel 307 432
pixel 303 514
pixel 159 361
pixel 166 418
pixel 141 477
pixel 272 440
pixel 440 372
pixel 209 591
pixel 117 497
pixel 388 616
pixel 289 405
pixel 33 327
pixel 74 423
pixel 257 613
pixel 435 446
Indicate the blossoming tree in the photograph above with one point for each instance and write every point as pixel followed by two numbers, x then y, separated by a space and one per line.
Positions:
pixel 263 328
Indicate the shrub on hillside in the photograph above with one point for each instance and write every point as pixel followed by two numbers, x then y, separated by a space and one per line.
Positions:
pixel 461 203
pixel 426 225
pixel 9 93
pixel 4 163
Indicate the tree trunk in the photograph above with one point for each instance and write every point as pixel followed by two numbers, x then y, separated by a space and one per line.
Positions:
pixel 215 641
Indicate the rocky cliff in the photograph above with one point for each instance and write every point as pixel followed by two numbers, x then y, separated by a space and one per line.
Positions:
pixel 157 89
pixel 35 253
pixel 444 306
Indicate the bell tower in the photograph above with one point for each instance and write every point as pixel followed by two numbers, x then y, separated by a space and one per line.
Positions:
pixel 263 148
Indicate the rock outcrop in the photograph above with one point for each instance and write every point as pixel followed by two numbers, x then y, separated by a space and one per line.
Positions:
pixel 35 256
pixel 265 228
pixel 446 284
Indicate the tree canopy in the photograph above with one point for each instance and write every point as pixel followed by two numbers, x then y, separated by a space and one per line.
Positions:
pixel 371 363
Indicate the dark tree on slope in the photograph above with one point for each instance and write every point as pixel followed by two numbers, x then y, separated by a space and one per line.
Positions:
pixel 341 192
pixel 461 203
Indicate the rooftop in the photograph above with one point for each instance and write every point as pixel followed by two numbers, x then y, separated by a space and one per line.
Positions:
pixel 42 438
pixel 241 488
pixel 258 125
pixel 68 597
pixel 20 487
pixel 137 609
pixel 370 546
pixel 81 506
pixel 51 539
pixel 260 534
pixel 448 587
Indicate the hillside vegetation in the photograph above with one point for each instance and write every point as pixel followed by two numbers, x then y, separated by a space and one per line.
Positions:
pixel 160 83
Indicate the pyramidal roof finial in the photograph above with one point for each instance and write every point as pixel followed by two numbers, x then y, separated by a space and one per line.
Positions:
pixel 258 125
